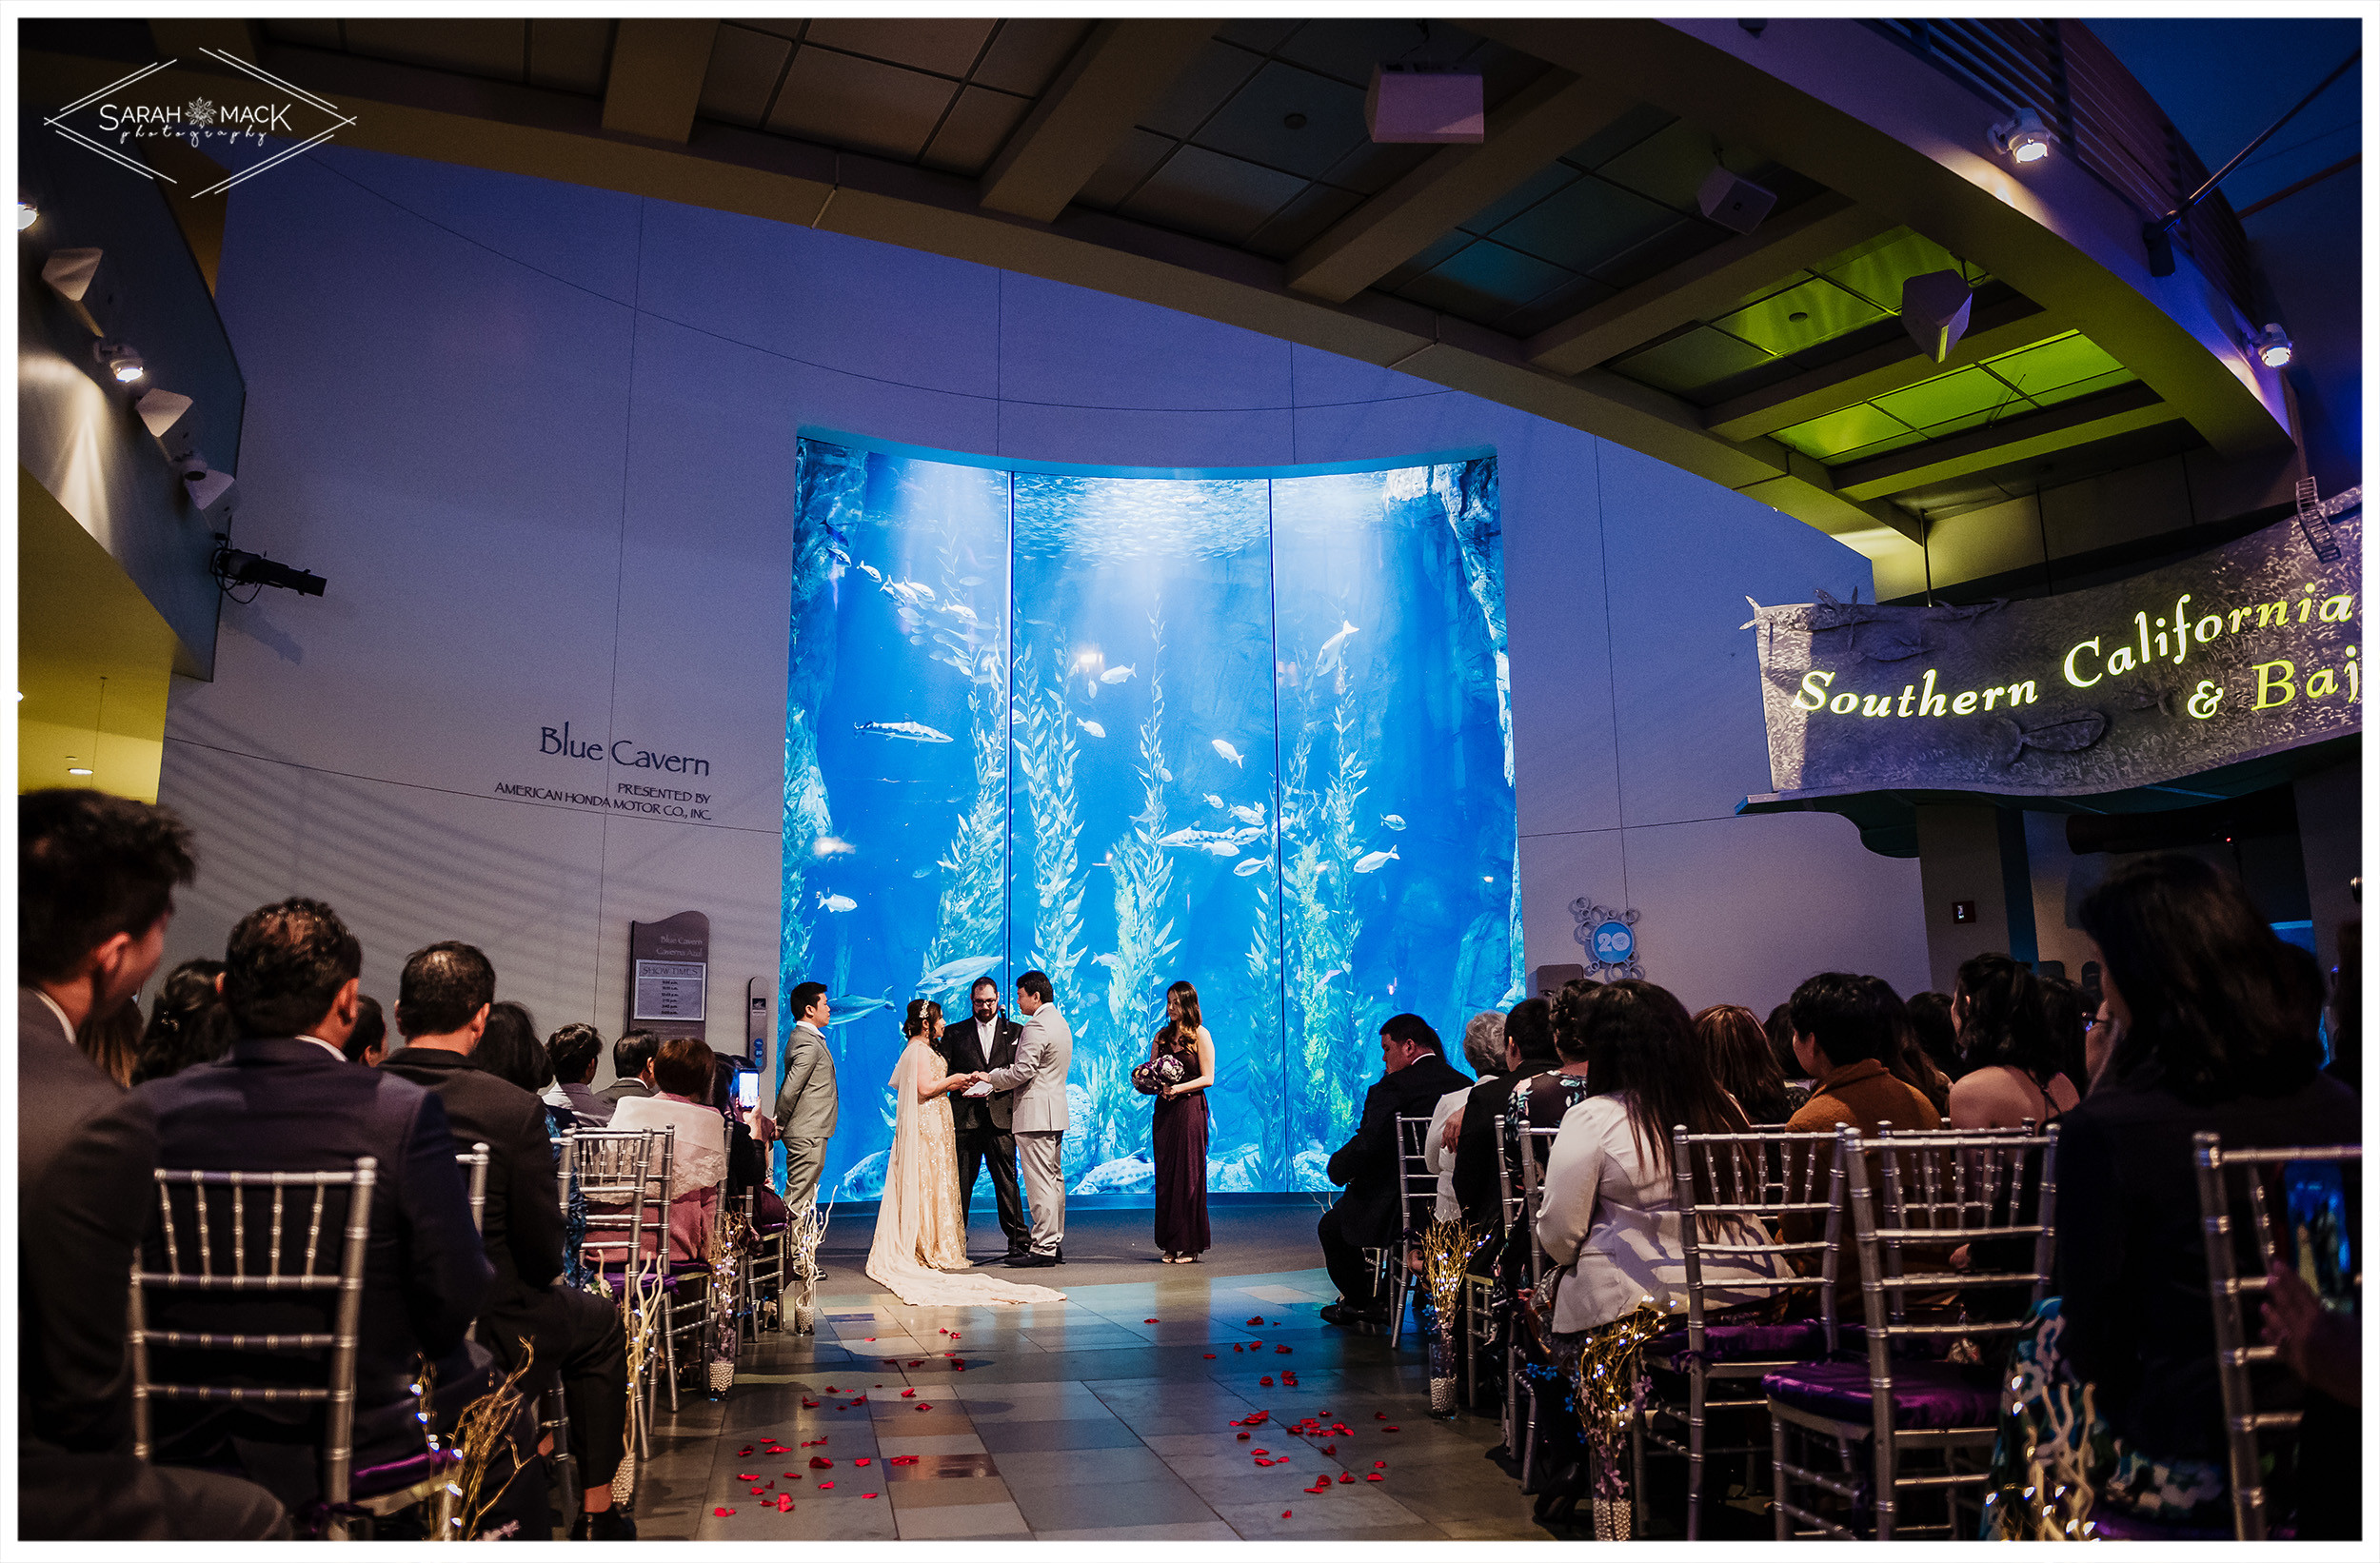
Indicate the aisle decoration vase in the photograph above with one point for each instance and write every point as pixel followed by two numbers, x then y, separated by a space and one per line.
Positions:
pixel 1610 1376
pixel 803 1233
pixel 1445 1253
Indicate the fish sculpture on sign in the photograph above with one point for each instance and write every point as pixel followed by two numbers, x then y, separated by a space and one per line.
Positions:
pixel 2010 741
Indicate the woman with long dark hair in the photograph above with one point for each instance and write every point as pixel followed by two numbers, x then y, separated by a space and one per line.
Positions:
pixel 2218 1035
pixel 2015 1065
pixel 187 1024
pixel 1179 1129
pixel 1735 1046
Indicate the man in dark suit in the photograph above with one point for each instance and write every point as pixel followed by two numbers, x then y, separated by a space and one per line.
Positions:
pixel 632 1061
pixel 94 885
pixel 976 1046
pixel 1528 1051
pixel 287 1099
pixel 1370 1214
pixel 442 998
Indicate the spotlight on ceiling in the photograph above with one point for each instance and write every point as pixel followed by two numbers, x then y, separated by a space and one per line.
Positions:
pixel 237 567
pixel 27 214
pixel 2024 138
pixel 70 271
pixel 1407 105
pixel 1935 310
pixel 2273 345
pixel 1732 201
pixel 123 361
pixel 205 485
pixel 77 770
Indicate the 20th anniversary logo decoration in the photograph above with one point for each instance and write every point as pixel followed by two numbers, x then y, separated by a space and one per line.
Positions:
pixel 112 119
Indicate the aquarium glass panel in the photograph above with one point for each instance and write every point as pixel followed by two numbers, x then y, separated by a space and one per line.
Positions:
pixel 1247 731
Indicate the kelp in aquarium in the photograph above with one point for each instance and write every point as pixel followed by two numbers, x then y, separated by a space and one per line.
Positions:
pixel 1143 875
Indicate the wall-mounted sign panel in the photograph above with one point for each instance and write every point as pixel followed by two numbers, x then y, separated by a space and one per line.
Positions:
pixel 670 971
pixel 2246 651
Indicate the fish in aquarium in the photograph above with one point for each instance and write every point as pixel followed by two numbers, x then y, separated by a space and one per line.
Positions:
pixel 852 1006
pixel 915 731
pixel 1248 866
pixel 1394 821
pixel 1117 675
pixel 1229 753
pixel 836 903
pixel 1247 814
pixel 1091 727
pixel 956 974
pixel 1371 861
pixel 1327 659
pixel 1213 802
pixel 830 846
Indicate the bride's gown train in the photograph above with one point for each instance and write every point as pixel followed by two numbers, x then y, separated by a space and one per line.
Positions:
pixel 920 1254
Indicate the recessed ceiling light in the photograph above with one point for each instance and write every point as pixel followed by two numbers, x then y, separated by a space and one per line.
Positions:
pixel 78 770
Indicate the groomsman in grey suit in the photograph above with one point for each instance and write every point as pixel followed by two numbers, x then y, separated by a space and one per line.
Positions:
pixel 806 1102
pixel 1038 1076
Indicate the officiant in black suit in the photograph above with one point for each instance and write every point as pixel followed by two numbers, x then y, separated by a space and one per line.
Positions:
pixel 985 1042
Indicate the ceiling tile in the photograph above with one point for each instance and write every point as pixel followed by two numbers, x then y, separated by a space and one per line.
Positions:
pixel 1669 166
pixel 1262 34
pixel 946 46
pixel 1853 428
pixel 1798 317
pixel 494 48
pixel 309 32
pixel 1881 447
pixel 1302 221
pixel 2092 386
pixel 1633 126
pixel 1216 197
pixel 2047 365
pixel 790 31
pixel 1483 282
pixel 1028 51
pixel 1252 123
pixel 1585 224
pixel 1538 186
pixel 1682 239
pixel 1506 70
pixel 1349 48
pixel 1876 271
pixel 1130 163
pixel 975 129
pixel 743 72
pixel 1570 297
pixel 1371 167
pixel 1440 247
pixel 569 54
pixel 1690 360
pixel 843 100
pixel 1213 77
pixel 1945 396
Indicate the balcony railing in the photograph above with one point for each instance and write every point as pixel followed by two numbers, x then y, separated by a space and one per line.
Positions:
pixel 2105 120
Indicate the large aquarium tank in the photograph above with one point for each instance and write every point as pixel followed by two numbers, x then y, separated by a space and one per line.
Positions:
pixel 1247 729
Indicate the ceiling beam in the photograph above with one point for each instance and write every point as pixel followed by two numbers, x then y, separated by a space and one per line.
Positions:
pixel 656 69
pixel 2060 427
pixel 1544 120
pixel 1887 366
pixel 1706 285
pixel 1113 78
pixel 188 37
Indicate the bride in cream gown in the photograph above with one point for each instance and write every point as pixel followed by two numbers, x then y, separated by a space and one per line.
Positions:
pixel 920 1254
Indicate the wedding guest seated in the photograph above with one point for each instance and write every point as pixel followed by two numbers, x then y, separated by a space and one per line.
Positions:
pixel 368 1042
pixel 2218 1036
pixel 96 878
pixel 186 1024
pixel 2012 1061
pixel 632 1061
pixel 509 1050
pixel 1483 1050
pixel 444 1013
pixel 2068 1009
pixel 576 1051
pixel 1736 1048
pixel 682 1076
pixel 1930 1016
pixel 1528 1051
pixel 1371 1212
pixel 286 1100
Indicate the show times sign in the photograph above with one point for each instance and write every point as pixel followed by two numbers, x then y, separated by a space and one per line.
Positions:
pixel 2241 652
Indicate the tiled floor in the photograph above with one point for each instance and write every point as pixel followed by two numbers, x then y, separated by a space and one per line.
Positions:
pixel 1108 1416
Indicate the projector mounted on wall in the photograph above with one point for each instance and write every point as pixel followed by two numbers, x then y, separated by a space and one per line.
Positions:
pixel 237 567
pixel 1409 105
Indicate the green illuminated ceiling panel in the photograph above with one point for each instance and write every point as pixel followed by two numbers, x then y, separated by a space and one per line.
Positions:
pixel 2092 386
pixel 1697 357
pixel 2057 369
pixel 2047 365
pixel 1945 396
pixel 1876 269
pixel 1828 437
pixel 1799 317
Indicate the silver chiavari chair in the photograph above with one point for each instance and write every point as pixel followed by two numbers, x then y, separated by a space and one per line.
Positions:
pixel 1479 1284
pixel 1532 1146
pixel 1940 1190
pixel 312 1244
pixel 1735 1194
pixel 474 1165
pixel 1417 1199
pixel 2273 1235
pixel 611 1168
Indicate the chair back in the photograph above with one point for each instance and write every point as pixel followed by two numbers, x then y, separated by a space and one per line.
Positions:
pixel 1532 1146
pixel 1507 1182
pixel 313 1231
pixel 1934 1192
pixel 474 1165
pixel 1737 1191
pixel 2303 1202
pixel 613 1170
pixel 1417 1184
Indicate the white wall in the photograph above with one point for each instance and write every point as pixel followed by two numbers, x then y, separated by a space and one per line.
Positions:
pixel 541 439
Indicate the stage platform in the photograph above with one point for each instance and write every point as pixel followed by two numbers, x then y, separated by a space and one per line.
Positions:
pixel 1107 1418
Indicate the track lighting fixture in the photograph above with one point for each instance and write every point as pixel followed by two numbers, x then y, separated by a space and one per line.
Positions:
pixel 2274 346
pixel 27 214
pixel 123 361
pixel 2023 138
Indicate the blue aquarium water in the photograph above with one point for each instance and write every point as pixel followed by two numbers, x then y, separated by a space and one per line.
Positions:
pixel 1249 732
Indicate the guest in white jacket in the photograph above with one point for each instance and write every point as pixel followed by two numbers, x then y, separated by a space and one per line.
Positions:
pixel 1609 1212
pixel 681 1074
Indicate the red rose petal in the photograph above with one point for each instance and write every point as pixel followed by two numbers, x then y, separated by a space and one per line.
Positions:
pixel 723 1512
pixel 1330 1448
pixel 820 1462
pixel 756 1492
pixel 1235 1346
pixel 1371 1476
pixel 868 1338
pixel 1210 1356
pixel 868 1495
pixel 745 1450
pixel 793 1476
pixel 1346 1476
pixel 806 1405
pixel 784 1503
pixel 1379 1465
pixel 922 1406
pixel 1260 1451
pixel 1148 1321
pixel 862 1460
pixel 1390 1428
pixel 1281 1349
pixel 830 1389
pixel 1242 1435
pixel 747 1475
pixel 1256 1321
pixel 1267 1380
pixel 824 1485
pixel 1285 1513
pixel 908 1394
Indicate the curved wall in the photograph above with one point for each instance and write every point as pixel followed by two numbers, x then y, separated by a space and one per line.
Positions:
pixel 540 439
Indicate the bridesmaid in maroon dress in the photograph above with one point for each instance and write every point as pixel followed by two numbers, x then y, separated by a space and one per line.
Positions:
pixel 1180 1129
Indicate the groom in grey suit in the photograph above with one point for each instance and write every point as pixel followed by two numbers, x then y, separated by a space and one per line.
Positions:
pixel 1038 1076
